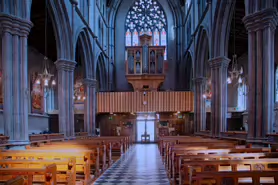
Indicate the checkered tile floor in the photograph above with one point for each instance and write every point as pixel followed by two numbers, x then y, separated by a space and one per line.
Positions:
pixel 141 165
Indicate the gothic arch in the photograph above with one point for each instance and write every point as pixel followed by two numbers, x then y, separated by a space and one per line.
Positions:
pixel 221 26
pixel 101 74
pixel 201 53
pixel 188 70
pixel 61 25
pixel 83 40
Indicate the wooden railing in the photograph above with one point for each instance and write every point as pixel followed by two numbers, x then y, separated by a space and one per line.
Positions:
pixel 108 102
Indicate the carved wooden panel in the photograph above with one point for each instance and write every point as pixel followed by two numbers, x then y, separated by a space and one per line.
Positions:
pixel 108 102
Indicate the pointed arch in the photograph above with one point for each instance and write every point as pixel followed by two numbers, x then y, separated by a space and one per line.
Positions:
pixel 202 51
pixel 83 40
pixel 101 73
pixel 221 27
pixel 59 17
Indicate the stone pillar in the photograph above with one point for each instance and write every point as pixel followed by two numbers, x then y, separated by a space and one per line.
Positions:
pixel 14 32
pixel 199 106
pixel 90 106
pixel 65 70
pixel 261 27
pixel 219 66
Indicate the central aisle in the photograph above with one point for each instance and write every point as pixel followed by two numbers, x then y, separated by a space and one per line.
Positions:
pixel 141 165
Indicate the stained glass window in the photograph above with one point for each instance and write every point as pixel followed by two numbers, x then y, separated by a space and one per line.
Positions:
pixel 128 38
pixel 276 85
pixel 146 16
pixel 164 42
pixel 135 38
pixel 242 97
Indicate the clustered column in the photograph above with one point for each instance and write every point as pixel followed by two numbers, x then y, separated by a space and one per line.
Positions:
pixel 219 66
pixel 14 33
pixel 261 27
pixel 200 107
pixel 90 106
pixel 65 70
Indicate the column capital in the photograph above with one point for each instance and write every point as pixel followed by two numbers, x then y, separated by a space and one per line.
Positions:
pixel 66 65
pixel 218 62
pixel 259 20
pixel 200 80
pixel 15 25
pixel 90 82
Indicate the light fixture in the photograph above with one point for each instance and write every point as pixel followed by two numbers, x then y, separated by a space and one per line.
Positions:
pixel 235 72
pixel 45 77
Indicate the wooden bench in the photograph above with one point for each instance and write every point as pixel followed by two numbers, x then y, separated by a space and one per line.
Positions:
pixel 45 138
pixel 191 168
pixel 84 145
pixel 87 161
pixel 66 168
pixel 176 155
pixel 235 178
pixel 48 173
pixel 19 180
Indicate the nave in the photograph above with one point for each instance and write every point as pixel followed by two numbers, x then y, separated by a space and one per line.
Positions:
pixel 142 164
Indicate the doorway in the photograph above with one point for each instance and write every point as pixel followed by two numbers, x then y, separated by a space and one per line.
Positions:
pixel 145 128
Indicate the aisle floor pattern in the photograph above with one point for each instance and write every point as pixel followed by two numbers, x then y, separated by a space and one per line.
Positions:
pixel 141 165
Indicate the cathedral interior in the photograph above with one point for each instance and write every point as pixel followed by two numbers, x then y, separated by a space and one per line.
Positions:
pixel 87 86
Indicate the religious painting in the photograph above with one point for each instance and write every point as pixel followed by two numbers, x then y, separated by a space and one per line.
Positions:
pixel 1 90
pixel 36 95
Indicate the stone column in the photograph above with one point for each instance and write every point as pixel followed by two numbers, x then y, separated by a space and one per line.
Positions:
pixel 90 106
pixel 261 27
pixel 219 67
pixel 199 106
pixel 65 70
pixel 14 32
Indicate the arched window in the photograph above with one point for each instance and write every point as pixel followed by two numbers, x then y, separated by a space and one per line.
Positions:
pixel 242 97
pixel 146 16
pixel 276 85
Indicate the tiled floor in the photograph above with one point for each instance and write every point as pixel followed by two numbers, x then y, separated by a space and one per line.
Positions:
pixel 141 165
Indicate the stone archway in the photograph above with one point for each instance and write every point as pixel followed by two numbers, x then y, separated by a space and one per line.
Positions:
pixel 87 88
pixel 101 73
pixel 200 79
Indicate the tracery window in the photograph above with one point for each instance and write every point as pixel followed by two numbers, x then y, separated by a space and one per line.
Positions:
pixel 276 85
pixel 242 97
pixel 146 16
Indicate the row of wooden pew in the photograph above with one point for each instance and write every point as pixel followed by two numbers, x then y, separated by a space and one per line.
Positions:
pixel 206 161
pixel 79 161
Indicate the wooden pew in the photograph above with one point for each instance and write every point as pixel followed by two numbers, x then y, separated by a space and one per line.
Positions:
pixel 66 168
pixel 177 155
pixel 48 173
pixel 36 139
pixel 239 177
pixel 104 148
pixel 232 162
pixel 87 161
pixel 81 145
pixel 19 180
pixel 180 148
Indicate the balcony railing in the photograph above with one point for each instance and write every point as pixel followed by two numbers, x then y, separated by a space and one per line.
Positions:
pixel 122 102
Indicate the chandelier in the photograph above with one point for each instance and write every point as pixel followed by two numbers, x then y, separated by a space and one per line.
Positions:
pixel 45 77
pixel 235 72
